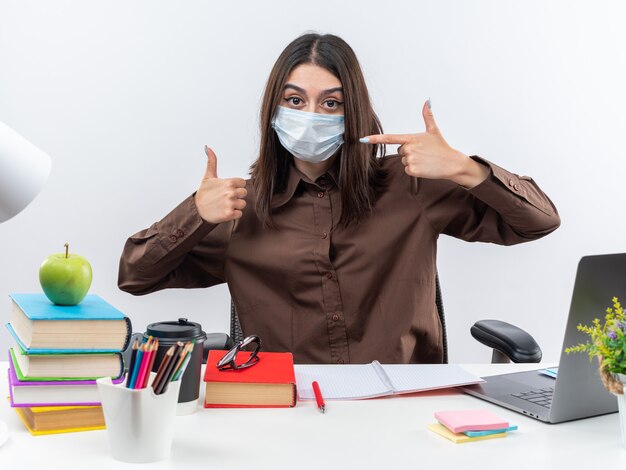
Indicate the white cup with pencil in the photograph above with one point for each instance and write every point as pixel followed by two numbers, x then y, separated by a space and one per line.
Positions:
pixel 139 413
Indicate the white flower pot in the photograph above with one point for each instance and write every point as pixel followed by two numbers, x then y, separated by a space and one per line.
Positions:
pixel 621 406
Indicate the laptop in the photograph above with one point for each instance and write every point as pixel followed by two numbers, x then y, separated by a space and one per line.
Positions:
pixel 577 391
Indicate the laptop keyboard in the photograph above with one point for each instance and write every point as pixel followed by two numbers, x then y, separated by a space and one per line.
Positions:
pixel 542 397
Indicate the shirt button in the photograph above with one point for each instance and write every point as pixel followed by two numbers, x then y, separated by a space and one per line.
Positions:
pixel 179 233
pixel 516 187
pixel 173 238
pixel 339 361
pixel 511 182
pixel 324 235
pixel 320 194
pixel 329 275
pixel 335 317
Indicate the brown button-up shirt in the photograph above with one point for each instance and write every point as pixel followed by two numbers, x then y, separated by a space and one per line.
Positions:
pixel 331 294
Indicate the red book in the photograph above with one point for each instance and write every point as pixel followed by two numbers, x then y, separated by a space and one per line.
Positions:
pixel 270 383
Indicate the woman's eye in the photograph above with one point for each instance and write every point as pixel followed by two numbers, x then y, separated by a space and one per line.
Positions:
pixel 295 100
pixel 332 104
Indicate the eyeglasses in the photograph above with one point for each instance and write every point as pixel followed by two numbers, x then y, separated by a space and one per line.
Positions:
pixel 228 362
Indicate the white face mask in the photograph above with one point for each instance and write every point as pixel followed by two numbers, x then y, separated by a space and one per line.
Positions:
pixel 310 137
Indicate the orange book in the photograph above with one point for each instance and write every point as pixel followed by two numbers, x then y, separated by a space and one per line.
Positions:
pixel 271 383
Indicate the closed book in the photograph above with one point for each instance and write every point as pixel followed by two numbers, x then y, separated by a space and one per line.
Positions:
pixel 40 326
pixel 60 419
pixel 52 393
pixel 270 383
pixel 52 367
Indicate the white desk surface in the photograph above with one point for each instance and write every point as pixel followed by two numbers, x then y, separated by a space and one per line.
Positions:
pixel 382 433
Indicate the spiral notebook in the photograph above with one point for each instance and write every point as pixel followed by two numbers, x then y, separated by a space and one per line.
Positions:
pixel 358 381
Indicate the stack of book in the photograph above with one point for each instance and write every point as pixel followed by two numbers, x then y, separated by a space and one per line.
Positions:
pixel 59 353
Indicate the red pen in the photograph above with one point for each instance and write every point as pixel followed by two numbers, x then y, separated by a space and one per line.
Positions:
pixel 318 397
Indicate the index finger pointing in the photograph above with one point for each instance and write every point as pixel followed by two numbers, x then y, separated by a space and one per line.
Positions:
pixel 388 139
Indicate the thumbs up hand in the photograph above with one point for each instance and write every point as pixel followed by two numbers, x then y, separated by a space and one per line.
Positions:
pixel 219 200
pixel 428 155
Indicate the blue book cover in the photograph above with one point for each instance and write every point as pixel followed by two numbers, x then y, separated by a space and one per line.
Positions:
pixel 40 311
pixel 39 307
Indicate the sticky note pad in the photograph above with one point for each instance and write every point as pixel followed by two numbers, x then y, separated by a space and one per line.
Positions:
pixel 550 372
pixel 470 420
pixel 460 437
pixel 484 433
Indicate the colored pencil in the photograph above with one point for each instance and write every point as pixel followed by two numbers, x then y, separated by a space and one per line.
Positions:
pixel 164 362
pixel 183 367
pixel 133 357
pixel 137 365
pixel 182 348
pixel 181 358
pixel 167 374
pixel 184 360
pixel 147 350
pixel 155 349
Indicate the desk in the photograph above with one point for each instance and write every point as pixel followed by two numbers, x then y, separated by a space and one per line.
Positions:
pixel 382 434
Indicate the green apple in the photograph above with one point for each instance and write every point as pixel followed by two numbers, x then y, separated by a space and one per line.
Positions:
pixel 65 278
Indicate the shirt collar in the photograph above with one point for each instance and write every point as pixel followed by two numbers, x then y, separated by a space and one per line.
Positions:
pixel 293 181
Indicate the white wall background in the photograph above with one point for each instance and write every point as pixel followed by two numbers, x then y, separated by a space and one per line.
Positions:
pixel 124 94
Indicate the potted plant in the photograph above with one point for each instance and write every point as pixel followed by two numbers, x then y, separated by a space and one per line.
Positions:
pixel 607 342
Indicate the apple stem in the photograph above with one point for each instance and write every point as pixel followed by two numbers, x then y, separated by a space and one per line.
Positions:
pixel 67 247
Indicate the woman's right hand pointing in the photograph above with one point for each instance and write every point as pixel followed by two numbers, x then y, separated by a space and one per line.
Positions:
pixel 219 200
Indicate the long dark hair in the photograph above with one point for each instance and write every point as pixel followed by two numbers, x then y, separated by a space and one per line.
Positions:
pixel 361 176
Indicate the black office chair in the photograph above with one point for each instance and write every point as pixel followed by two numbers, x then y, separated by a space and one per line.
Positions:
pixel 509 343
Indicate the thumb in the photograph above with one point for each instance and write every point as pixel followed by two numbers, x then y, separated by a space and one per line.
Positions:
pixel 429 118
pixel 211 164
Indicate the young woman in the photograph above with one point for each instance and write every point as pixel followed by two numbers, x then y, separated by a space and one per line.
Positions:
pixel 329 249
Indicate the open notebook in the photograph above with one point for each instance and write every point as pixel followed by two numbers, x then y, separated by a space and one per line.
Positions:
pixel 356 381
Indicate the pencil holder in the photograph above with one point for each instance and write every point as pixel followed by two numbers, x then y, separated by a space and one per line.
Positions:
pixel 140 424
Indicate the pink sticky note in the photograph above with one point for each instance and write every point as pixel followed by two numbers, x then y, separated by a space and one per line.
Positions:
pixel 470 420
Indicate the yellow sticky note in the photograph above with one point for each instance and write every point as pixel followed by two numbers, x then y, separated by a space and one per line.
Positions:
pixel 460 437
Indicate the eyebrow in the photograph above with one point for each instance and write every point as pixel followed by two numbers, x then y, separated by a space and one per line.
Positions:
pixel 303 91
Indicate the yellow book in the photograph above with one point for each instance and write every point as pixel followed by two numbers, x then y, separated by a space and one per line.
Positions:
pixel 42 420
pixel 459 438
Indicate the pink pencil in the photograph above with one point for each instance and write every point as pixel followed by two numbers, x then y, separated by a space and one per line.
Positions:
pixel 153 353
pixel 145 360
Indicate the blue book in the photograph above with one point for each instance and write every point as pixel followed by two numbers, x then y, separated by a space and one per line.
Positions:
pixel 41 327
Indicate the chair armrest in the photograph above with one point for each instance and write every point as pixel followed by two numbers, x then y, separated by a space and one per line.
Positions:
pixel 127 353
pixel 216 341
pixel 515 343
